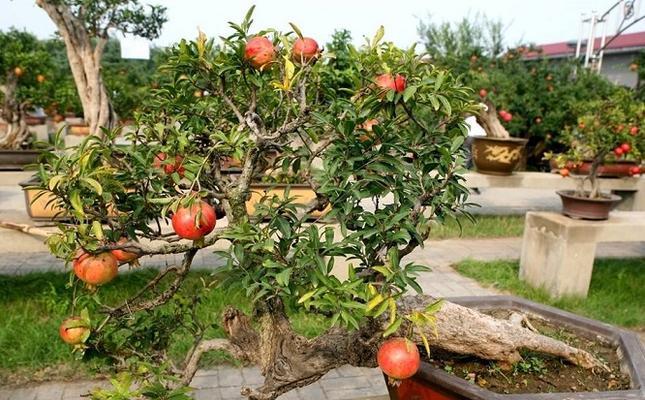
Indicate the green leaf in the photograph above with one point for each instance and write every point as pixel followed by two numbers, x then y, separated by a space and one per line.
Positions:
pixel 93 184
pixel 306 296
pixel 282 278
pixel 393 327
pixel 75 200
pixel 296 30
pixel 380 32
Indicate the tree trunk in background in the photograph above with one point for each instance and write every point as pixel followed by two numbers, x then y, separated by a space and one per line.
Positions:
pixel 85 63
pixel 13 114
pixel 489 121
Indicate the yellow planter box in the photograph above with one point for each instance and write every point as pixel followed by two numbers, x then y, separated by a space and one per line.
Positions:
pixel 303 194
pixel 41 207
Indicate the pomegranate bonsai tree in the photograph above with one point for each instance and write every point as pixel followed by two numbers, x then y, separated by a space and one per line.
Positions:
pixel 24 69
pixel 608 130
pixel 85 27
pixel 382 193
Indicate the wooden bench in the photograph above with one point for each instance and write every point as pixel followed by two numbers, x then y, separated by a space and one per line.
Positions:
pixel 558 252
pixel 631 189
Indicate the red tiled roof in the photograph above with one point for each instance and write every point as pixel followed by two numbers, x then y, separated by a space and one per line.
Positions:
pixel 625 41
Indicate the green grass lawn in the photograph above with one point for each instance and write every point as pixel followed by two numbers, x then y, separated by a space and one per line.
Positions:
pixel 616 294
pixel 33 306
pixel 485 226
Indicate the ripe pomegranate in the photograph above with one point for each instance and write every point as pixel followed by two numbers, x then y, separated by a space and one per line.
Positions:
pixel 169 168
pixel 40 78
pixel 122 255
pixel 389 82
pixel 483 93
pixel 581 125
pixel 259 52
pixel 618 151
pixel 633 130
pixel 96 269
pixel 634 171
pixel 506 116
pixel 626 147
pixel 73 330
pixel 398 358
pixel 194 222
pixel 564 172
pixel 18 72
pixel 305 49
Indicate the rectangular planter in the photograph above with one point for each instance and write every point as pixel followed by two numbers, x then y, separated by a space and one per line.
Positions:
pixel 41 204
pixel 301 192
pixel 432 383
pixel 16 160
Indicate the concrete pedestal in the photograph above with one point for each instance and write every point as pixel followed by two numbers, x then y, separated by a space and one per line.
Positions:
pixel 558 252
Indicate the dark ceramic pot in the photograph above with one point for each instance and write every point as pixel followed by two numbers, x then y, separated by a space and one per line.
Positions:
pixel 497 156
pixel 432 383
pixel 585 208
pixel 15 160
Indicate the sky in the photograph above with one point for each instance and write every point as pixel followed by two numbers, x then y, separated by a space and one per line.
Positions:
pixel 536 21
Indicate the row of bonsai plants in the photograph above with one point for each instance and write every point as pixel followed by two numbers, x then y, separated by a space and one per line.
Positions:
pixel 275 95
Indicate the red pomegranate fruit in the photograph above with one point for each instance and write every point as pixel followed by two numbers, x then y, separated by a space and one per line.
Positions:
pixel 389 82
pixel 74 330
pixel 398 358
pixel 483 93
pixel 626 147
pixel 194 222
pixel 96 269
pixel 259 52
pixel 122 255
pixel 160 163
pixel 305 49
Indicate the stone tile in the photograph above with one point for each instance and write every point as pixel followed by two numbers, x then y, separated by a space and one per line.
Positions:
pixel 231 393
pixel 22 394
pixel 252 376
pixel 206 394
pixel 205 382
pixel 52 391
pixel 344 383
pixel 228 376
pixel 352 393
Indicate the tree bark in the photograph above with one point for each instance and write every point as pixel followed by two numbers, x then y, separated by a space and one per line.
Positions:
pixel 489 121
pixel 289 361
pixel 85 64
pixel 13 113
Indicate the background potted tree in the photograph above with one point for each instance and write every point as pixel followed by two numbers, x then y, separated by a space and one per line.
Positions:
pixel 382 196
pixel 24 68
pixel 607 131
pixel 85 29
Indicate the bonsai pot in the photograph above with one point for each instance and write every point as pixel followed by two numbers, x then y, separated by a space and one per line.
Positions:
pixel 575 206
pixel 302 193
pixel 432 383
pixel 13 160
pixel 78 129
pixel 497 156
pixel 41 204
pixel 616 169
pixel 32 120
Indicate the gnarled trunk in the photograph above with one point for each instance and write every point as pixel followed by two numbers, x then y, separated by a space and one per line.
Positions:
pixel 13 113
pixel 85 63
pixel 488 120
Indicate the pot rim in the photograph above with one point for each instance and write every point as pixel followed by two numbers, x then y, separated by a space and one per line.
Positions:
pixel 496 139
pixel 570 194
